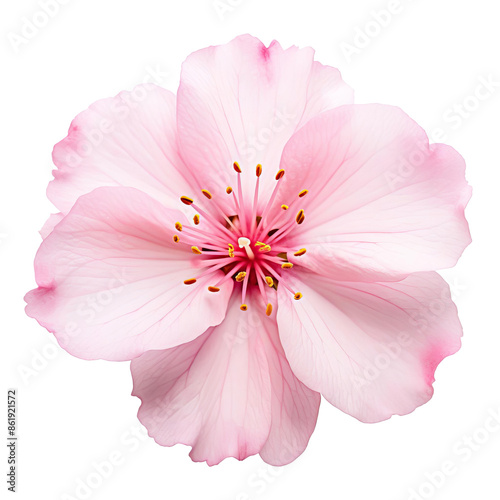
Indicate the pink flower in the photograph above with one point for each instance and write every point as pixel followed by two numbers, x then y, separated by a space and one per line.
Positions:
pixel 268 285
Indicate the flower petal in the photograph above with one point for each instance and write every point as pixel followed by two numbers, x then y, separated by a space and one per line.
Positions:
pixel 228 393
pixel 50 224
pixel 128 140
pixel 242 102
pixel 294 406
pixel 111 278
pixel 371 349
pixel 381 201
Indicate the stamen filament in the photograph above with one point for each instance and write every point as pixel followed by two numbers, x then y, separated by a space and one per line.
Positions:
pixel 196 232
pixel 217 225
pixel 258 173
pixel 242 213
pixel 229 275
pixel 245 283
pixel 270 202
pixel 213 222
pixel 281 280
pixel 260 282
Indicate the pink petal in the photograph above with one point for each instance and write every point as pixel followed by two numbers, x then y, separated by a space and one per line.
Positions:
pixel 381 201
pixel 110 279
pixel 228 393
pixel 242 102
pixel 127 140
pixel 50 224
pixel 294 406
pixel 371 349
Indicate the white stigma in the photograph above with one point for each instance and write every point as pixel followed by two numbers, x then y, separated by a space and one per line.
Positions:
pixel 244 242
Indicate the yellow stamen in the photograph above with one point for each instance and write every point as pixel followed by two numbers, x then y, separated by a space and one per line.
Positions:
pixel 196 219
pixel 297 296
pixel 258 170
pixel 186 200
pixel 269 281
pixel 240 276
pixel 284 207
pixel 259 244
pixel 229 190
pixel 176 238
pixel 303 193
pixel 213 289
pixel 287 265
pixel 265 248
pixel 269 309
pixel 231 247
pixel 207 193
pixel 178 226
pixel 190 282
pixel 302 251
pixel 243 307
pixel 280 174
pixel 196 250
pixel 231 250
pixel 237 167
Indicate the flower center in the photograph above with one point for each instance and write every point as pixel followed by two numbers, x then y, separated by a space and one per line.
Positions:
pixel 247 246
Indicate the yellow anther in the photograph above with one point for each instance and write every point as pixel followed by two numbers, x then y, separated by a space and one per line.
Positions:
pixel 303 193
pixel 258 170
pixel 213 289
pixel 269 281
pixel 243 307
pixel 280 174
pixel 178 226
pixel 287 265
pixel 240 276
pixel 299 216
pixel 176 238
pixel 186 200
pixel 237 167
pixel 259 244
pixel 196 219
pixel 207 193
pixel 297 296
pixel 190 282
pixel 265 248
pixel 231 247
pixel 284 207
pixel 302 251
pixel 196 250
pixel 229 190
pixel 231 250
pixel 269 309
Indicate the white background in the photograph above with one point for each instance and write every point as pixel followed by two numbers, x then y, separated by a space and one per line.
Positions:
pixel 429 59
